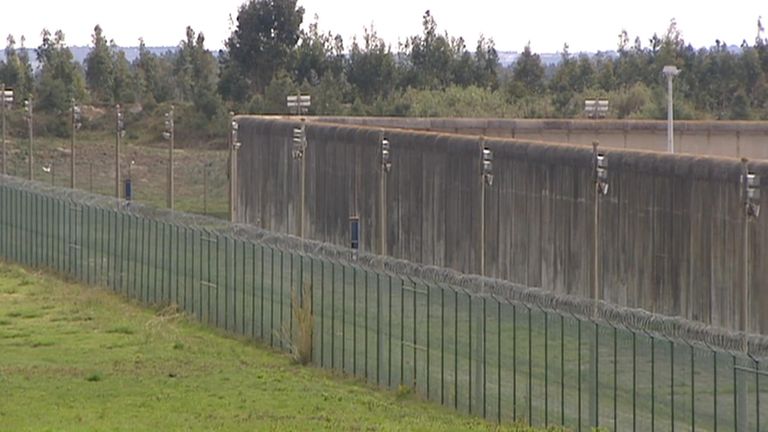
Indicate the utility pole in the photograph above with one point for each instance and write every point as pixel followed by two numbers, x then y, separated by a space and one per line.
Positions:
pixel 75 126
pixel 6 97
pixel 386 166
pixel 169 134
pixel 119 133
pixel 486 181
pixel 30 121
pixel 303 183
pixel 297 153
pixel 600 176
pixel 751 193
pixel 234 145
pixel 745 242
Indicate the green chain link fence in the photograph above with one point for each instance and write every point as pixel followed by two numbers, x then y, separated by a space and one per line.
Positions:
pixel 502 354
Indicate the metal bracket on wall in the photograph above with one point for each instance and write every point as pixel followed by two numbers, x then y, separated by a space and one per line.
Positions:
pixel 299 142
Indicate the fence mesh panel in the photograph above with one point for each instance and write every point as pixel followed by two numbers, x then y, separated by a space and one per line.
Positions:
pixel 481 346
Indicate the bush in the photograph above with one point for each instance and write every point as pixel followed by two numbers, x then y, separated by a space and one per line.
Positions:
pixel 632 102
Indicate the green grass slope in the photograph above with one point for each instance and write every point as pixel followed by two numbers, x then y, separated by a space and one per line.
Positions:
pixel 79 358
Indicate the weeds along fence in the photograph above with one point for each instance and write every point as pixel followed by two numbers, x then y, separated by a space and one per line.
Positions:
pixel 480 346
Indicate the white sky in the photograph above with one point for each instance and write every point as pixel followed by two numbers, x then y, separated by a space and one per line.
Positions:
pixel 585 25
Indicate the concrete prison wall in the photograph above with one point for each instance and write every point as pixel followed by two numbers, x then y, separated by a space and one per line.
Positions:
pixel 715 138
pixel 671 231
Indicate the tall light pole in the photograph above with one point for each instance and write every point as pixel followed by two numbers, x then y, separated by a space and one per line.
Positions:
pixel 486 181
pixel 75 126
pixel 6 98
pixel 750 193
pixel 298 149
pixel 119 133
pixel 750 183
pixel 169 134
pixel 670 72
pixel 600 176
pixel 30 121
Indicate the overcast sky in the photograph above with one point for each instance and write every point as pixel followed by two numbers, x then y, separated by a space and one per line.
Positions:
pixel 584 25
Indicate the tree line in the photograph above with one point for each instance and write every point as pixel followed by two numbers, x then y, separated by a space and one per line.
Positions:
pixel 268 56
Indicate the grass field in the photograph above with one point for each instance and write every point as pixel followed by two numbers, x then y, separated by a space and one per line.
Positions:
pixel 78 358
pixel 199 172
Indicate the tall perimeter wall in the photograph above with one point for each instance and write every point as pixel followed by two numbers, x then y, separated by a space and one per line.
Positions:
pixel 715 138
pixel 671 236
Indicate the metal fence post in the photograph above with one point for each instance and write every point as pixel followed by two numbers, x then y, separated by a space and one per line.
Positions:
pixel 261 288
pixel 736 388
pixel 129 258
pixel 415 340
pixel 469 350
pixel 514 362
pixel 442 345
pixel 344 318
pixel 333 314
pixel 546 367
pixel 672 383
pixel 253 292
pixel 594 371
pixel 389 331
pixel 365 326
pixel 282 296
pixel 757 390
pixel 562 369
pixel 272 303
pixel 455 349
pixel 578 366
pixel 498 360
pixel 378 333
pixel 354 321
pixel 322 313
pixel 228 274
pixel 693 386
pixel 530 368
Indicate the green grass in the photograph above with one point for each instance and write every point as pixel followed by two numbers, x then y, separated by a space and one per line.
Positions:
pixel 78 358
pixel 198 171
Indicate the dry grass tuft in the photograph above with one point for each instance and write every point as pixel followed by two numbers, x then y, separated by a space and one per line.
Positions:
pixel 300 342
